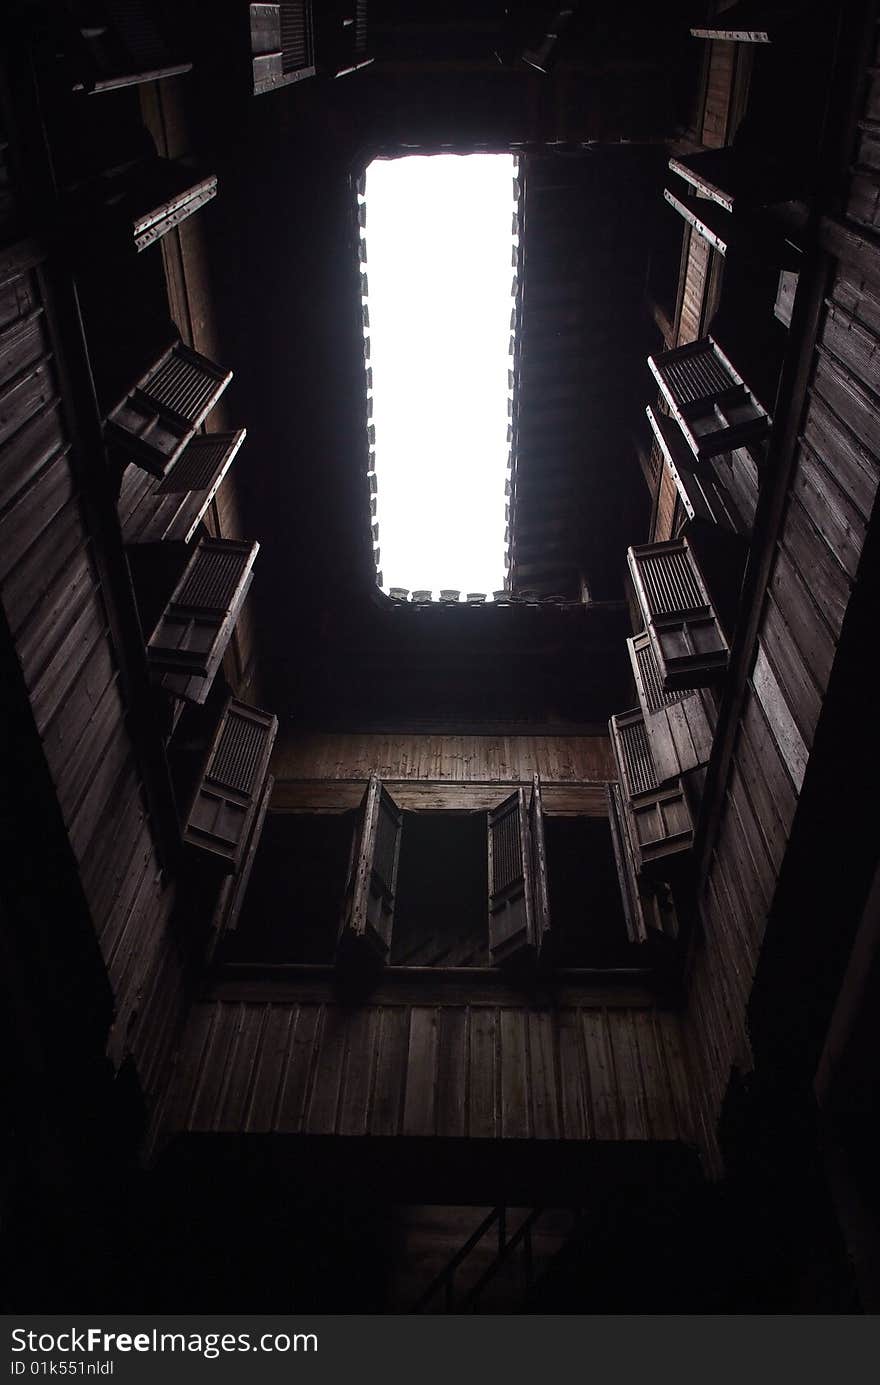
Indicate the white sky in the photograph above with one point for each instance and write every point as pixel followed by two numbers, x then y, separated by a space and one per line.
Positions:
pixel 439 242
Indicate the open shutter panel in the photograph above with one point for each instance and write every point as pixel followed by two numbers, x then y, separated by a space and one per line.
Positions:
pixel 740 178
pixel 171 510
pixel 647 906
pixel 511 890
pixel 282 44
pixel 368 910
pixel 678 725
pixel 711 222
pixel 715 410
pixel 658 815
pixel 703 495
pixel 228 797
pixel 162 196
pixel 154 423
pixel 543 934
pixel 686 635
pixel 751 238
pixel 745 23
pixel 234 887
pixel 130 208
pixel 297 39
pixel 352 37
pixel 190 639
pixel 121 47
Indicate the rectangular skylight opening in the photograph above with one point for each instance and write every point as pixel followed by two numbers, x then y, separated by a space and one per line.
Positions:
pixel 437 264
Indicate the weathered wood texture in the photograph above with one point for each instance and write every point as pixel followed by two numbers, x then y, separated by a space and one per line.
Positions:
pixel 719 89
pixel 185 261
pixel 490 759
pixel 695 284
pixel 717 119
pixel 863 205
pixel 433 796
pixel 61 625
pixel 831 498
pixel 479 1071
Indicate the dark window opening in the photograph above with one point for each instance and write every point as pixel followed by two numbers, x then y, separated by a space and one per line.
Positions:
pixel 442 882
pixel 665 264
pixel 292 907
pixel 585 907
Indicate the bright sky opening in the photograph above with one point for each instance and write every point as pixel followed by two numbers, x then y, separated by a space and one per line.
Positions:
pixel 439 241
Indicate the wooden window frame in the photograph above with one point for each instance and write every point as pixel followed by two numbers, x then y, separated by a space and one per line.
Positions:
pixel 363 948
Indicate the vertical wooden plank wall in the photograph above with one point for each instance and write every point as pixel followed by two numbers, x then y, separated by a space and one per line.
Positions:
pixel 830 502
pixel 459 759
pixel 58 616
pixel 590 1071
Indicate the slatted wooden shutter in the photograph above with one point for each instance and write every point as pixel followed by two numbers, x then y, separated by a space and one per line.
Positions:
pixel 543 932
pixel 351 37
pixel 512 934
pixel 282 44
pixel 154 423
pixel 368 908
pixel 678 724
pixel 688 641
pixel 120 47
pixel 648 907
pixel 715 410
pixel 234 888
pixel 171 510
pixel 228 796
pixel 658 815
pixel 193 631
pixel 705 498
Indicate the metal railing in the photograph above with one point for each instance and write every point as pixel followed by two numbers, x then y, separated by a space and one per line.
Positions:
pixel 445 1281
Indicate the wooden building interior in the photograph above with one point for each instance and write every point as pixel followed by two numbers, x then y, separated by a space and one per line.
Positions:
pixel 370 953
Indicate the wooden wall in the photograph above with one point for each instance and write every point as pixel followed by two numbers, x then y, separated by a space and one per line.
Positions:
pixel 596 1070
pixel 61 619
pixel 830 501
pixel 460 759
